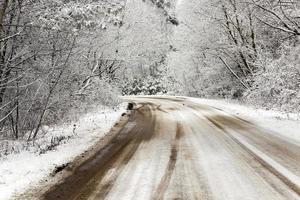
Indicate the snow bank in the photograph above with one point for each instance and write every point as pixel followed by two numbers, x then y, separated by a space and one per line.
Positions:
pixel 20 170
pixel 286 125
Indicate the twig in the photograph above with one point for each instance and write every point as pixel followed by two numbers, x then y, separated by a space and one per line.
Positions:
pixel 8 37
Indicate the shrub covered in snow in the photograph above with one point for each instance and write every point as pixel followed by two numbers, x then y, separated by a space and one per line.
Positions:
pixel 148 86
pixel 279 85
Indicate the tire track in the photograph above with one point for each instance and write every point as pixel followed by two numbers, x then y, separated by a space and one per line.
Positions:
pixel 165 180
pixel 76 186
pixel 272 169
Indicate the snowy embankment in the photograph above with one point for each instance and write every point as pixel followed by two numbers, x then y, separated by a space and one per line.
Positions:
pixel 60 145
pixel 285 125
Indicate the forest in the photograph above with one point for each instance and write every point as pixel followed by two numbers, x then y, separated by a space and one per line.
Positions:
pixel 62 58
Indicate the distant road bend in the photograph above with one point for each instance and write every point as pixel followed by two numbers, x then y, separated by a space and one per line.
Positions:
pixel 173 148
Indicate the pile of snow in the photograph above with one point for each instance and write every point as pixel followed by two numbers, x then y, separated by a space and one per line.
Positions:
pixel 28 166
pixel 286 125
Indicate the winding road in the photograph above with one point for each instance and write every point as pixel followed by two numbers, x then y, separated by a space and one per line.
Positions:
pixel 173 148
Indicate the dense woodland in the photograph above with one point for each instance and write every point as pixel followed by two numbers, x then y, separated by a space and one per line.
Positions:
pixel 61 58
pixel 243 49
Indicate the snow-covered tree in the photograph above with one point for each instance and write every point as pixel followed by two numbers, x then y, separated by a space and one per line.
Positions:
pixel 40 67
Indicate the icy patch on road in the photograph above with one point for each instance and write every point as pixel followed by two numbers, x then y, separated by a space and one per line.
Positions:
pixel 283 124
pixel 26 168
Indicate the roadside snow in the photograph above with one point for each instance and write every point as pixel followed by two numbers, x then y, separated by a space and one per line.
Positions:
pixel 285 125
pixel 21 170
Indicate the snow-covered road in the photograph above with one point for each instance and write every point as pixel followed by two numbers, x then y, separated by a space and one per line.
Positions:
pixel 174 148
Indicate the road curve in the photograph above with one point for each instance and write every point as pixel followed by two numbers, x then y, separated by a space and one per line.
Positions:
pixel 173 148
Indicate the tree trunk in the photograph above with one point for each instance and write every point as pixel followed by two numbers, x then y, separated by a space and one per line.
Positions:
pixel 3 8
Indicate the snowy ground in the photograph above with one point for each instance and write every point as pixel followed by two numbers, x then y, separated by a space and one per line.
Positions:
pixel 283 124
pixel 30 163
